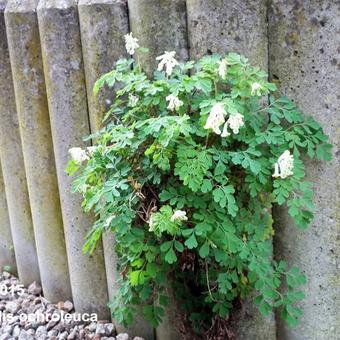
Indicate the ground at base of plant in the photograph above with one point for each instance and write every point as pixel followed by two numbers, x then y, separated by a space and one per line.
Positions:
pixel 20 301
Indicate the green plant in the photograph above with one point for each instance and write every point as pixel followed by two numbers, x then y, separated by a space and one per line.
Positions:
pixel 185 173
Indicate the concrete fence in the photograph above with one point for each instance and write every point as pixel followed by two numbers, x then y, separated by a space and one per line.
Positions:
pixel 51 53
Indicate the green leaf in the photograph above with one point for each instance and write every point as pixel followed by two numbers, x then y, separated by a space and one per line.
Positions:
pixel 324 152
pixel 170 256
pixel 224 197
pixel 165 246
pixel 265 308
pixel 191 242
pixel 72 168
pixel 136 277
pixel 192 165
pixel 270 293
pixel 206 186
pixel 204 250
pixel 220 169
pixel 179 246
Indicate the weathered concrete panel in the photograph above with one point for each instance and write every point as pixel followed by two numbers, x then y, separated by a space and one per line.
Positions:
pixel 220 26
pixel 31 102
pixel 223 26
pixel 160 25
pixel 66 93
pixel 7 259
pixel 13 169
pixel 304 52
pixel 103 24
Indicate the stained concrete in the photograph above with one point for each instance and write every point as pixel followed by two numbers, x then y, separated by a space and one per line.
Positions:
pixel 13 169
pixel 304 61
pixel 7 258
pixel 66 93
pixel 31 102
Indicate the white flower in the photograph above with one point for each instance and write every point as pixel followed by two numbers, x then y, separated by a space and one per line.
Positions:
pixel 216 118
pixel 151 223
pixel 174 102
pixel 83 188
pixel 91 150
pixel 131 43
pixel 133 100
pixel 225 132
pixel 284 166
pixel 222 69
pixel 78 155
pixel 179 215
pixel 168 60
pixel 109 220
pixel 236 122
pixel 256 89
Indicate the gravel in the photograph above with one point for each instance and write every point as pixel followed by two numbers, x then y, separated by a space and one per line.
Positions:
pixel 18 303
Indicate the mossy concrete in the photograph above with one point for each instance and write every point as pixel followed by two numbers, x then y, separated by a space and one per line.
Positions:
pixel 7 258
pixel 31 102
pixel 66 94
pixel 159 25
pixel 304 61
pixel 13 169
pixel 220 26
pixel 103 24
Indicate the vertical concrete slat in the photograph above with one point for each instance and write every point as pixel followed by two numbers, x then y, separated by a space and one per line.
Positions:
pixel 13 169
pixel 304 38
pixel 160 25
pixel 223 26
pixel 7 258
pixel 29 87
pixel 103 24
pixel 66 95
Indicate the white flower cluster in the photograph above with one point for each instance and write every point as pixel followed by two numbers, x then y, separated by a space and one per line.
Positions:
pixel 80 155
pixel 133 100
pixel 235 122
pixel 131 43
pixel 284 166
pixel 216 119
pixel 222 69
pixel 151 224
pixel 168 61
pixel 91 150
pixel 109 220
pixel 179 215
pixel 174 102
pixel 256 89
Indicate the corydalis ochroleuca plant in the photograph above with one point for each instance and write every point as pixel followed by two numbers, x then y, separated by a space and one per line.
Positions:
pixel 185 172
